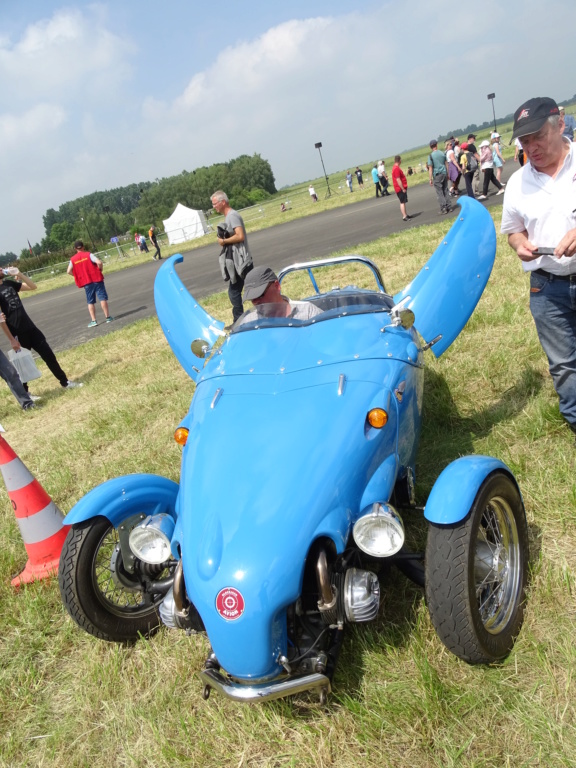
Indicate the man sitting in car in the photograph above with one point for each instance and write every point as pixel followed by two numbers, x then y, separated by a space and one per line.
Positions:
pixel 262 288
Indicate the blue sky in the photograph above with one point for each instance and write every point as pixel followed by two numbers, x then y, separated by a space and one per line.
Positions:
pixel 97 95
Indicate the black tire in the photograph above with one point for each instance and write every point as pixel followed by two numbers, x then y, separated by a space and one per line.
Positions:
pixel 476 574
pixel 99 594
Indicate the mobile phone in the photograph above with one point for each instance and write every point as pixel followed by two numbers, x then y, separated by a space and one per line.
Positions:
pixel 544 252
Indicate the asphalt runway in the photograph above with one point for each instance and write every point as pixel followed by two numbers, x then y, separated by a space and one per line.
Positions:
pixel 63 317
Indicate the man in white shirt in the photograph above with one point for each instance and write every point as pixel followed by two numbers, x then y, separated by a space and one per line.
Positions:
pixel 383 178
pixel 539 217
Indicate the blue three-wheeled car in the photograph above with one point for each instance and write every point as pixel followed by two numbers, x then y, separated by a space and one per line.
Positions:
pixel 299 454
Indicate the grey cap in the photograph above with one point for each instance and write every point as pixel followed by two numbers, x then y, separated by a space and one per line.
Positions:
pixel 256 282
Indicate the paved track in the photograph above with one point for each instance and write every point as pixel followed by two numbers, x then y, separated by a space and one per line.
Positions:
pixel 62 315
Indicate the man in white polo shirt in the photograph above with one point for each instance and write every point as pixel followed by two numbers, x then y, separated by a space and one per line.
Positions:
pixel 539 217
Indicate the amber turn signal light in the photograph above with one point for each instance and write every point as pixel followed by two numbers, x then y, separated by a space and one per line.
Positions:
pixel 377 418
pixel 181 435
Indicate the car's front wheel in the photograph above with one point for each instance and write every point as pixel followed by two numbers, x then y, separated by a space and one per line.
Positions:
pixel 476 573
pixel 98 591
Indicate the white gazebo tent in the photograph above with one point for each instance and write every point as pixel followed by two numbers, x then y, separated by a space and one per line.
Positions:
pixel 185 224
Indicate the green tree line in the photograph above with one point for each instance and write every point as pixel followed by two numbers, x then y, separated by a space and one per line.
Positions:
pixel 97 217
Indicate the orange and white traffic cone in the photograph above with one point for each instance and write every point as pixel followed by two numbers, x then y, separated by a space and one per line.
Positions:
pixel 39 519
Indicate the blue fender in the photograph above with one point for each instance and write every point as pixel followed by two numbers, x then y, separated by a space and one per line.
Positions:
pixel 454 492
pixel 182 318
pixel 445 292
pixel 125 496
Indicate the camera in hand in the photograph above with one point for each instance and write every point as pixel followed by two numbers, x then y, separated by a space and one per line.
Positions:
pixel 222 232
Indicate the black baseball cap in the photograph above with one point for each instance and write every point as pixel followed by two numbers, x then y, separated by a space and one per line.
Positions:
pixel 531 116
pixel 256 282
pixel 433 143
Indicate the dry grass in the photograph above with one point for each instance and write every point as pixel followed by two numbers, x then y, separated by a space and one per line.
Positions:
pixel 400 699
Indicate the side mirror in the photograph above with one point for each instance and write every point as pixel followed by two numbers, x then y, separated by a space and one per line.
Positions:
pixel 200 348
pixel 400 315
pixel 405 318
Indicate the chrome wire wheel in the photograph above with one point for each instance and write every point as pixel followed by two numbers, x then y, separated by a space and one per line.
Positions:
pixel 497 565
pixel 120 591
pixel 99 593
pixel 476 573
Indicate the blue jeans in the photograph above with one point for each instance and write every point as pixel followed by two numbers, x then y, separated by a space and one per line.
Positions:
pixel 10 376
pixel 553 307
pixel 95 289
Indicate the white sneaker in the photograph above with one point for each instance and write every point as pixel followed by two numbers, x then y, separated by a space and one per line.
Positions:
pixel 482 197
pixel 500 192
pixel 73 384
pixel 34 398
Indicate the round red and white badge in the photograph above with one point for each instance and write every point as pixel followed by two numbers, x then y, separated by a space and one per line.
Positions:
pixel 230 603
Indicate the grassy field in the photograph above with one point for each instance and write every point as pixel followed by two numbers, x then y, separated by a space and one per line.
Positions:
pixel 399 699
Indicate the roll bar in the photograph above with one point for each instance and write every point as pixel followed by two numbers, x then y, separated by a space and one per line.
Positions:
pixel 308 266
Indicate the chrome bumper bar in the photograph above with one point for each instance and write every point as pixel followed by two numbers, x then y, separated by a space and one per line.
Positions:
pixel 264 691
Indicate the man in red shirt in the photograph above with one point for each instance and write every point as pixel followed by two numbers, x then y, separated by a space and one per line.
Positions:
pixel 400 186
pixel 86 270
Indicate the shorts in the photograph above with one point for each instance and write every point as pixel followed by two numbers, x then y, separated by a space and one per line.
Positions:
pixel 95 289
pixel 402 196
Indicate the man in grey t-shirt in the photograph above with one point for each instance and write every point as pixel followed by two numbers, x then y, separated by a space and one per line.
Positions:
pixel 438 174
pixel 235 258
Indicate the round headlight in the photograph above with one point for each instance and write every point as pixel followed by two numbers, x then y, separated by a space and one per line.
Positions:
pixel 380 532
pixel 150 539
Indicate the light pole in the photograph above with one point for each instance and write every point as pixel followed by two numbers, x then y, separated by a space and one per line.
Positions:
pixel 87 230
pixel 492 96
pixel 318 146
pixel 110 219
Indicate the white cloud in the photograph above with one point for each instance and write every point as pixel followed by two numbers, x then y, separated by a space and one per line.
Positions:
pixel 78 113
pixel 65 56
pixel 29 126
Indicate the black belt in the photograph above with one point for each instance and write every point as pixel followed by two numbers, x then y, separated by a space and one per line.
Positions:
pixel 569 278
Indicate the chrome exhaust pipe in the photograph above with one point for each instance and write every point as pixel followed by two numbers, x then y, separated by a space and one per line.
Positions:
pixel 327 596
pixel 179 589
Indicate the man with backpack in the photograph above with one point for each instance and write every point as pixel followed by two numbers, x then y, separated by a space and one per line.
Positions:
pixel 438 173
pixel 472 149
pixel 468 165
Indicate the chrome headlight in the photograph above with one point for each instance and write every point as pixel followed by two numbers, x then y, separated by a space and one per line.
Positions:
pixel 150 539
pixel 380 532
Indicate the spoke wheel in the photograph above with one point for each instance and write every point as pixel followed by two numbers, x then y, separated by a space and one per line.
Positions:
pixel 476 574
pixel 99 593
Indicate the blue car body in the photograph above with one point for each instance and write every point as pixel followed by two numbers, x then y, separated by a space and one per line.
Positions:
pixel 280 455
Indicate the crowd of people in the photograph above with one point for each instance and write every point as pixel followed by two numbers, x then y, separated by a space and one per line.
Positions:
pixel 476 167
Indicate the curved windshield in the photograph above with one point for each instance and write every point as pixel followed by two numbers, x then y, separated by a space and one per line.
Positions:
pixel 311 311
